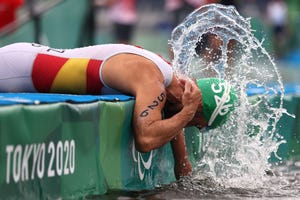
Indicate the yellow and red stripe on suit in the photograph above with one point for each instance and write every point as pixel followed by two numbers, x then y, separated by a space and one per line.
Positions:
pixel 66 75
pixel 26 67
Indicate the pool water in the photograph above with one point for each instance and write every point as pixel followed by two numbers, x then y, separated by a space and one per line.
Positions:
pixel 284 178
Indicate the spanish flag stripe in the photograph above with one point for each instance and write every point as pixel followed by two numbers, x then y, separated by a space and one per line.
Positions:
pixel 94 84
pixel 45 68
pixel 72 77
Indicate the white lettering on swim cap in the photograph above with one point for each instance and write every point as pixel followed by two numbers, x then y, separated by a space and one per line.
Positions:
pixel 221 108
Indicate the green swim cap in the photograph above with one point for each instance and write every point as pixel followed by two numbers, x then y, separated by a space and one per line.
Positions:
pixel 218 99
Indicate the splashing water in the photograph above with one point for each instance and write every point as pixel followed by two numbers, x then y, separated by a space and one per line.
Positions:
pixel 215 41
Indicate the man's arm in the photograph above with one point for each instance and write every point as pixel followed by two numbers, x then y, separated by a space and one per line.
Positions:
pixel 182 165
pixel 137 76
pixel 151 131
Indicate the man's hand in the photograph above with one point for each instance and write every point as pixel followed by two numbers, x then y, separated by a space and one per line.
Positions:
pixel 183 168
pixel 182 165
pixel 190 98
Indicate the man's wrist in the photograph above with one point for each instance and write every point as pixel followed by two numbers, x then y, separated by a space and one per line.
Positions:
pixel 187 114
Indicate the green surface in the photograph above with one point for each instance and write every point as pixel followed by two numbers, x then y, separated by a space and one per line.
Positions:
pixel 65 150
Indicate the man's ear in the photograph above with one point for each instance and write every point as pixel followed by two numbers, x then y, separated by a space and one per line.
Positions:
pixel 182 82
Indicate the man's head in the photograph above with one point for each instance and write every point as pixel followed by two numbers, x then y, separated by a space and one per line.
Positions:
pixel 218 99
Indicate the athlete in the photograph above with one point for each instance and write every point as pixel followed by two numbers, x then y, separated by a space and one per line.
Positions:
pixel 120 68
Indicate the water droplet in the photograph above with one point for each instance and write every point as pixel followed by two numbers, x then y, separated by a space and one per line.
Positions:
pixel 216 41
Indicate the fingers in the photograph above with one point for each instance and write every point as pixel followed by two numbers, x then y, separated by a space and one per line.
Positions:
pixel 191 94
pixel 191 87
pixel 187 87
pixel 190 99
